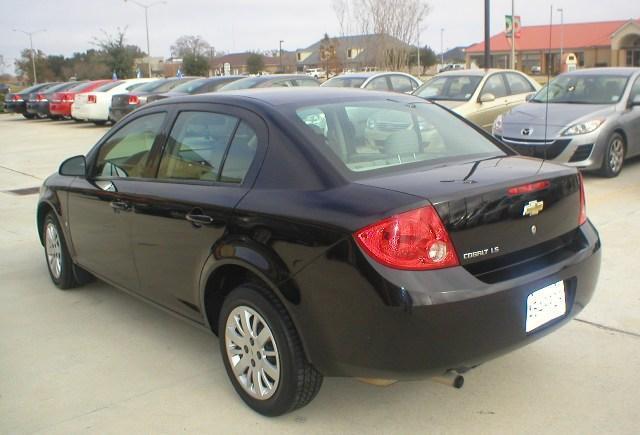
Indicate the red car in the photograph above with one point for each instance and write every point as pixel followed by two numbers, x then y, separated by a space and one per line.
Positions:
pixel 60 105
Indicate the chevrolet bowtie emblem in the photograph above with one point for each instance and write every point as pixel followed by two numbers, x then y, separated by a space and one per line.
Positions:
pixel 533 208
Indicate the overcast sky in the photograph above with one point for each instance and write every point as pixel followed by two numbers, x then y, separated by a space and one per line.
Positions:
pixel 240 25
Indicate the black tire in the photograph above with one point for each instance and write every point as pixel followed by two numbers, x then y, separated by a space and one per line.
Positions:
pixel 100 122
pixel 613 159
pixel 65 278
pixel 28 115
pixel 299 382
pixel 55 117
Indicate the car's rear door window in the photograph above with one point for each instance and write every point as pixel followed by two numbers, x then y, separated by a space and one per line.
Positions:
pixel 379 84
pixel 401 83
pixel 240 155
pixel 518 84
pixel 126 152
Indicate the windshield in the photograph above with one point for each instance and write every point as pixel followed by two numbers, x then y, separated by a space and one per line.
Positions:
pixel 153 86
pixel 190 87
pixel 583 89
pixel 108 86
pixel 247 83
pixel 344 82
pixel 454 88
pixel 370 135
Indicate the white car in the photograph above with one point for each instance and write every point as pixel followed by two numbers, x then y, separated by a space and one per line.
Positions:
pixel 94 106
pixel 316 73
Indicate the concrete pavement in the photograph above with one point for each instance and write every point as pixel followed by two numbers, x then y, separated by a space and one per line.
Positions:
pixel 96 360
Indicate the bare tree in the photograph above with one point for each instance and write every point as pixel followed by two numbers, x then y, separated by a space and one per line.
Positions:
pixel 190 44
pixel 393 22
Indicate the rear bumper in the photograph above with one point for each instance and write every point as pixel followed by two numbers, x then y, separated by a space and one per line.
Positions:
pixel 12 107
pixel 381 323
pixel 38 108
pixel 117 113
pixel 60 109
pixel 90 112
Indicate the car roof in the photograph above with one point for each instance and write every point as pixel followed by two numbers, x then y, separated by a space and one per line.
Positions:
pixel 475 72
pixel 617 71
pixel 296 96
pixel 368 74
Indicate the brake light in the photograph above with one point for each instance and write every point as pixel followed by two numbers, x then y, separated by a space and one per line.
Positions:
pixel 133 99
pixel 40 97
pixel 583 202
pixel 528 188
pixel 17 98
pixel 414 240
pixel 66 98
pixel 91 99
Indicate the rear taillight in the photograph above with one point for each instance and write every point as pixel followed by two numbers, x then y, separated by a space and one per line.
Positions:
pixel 67 98
pixel 91 99
pixel 528 188
pixel 133 99
pixel 17 98
pixel 40 97
pixel 414 240
pixel 583 202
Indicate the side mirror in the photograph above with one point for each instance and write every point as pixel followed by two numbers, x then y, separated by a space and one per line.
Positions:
pixel 74 167
pixel 529 97
pixel 487 98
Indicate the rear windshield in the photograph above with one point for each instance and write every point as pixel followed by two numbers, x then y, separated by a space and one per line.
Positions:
pixel 364 136
pixel 108 86
pixel 583 89
pixel 81 87
pixel 247 83
pixel 344 82
pixel 452 88
pixel 152 86
pixel 190 86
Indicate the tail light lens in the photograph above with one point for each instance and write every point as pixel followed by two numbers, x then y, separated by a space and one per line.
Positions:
pixel 66 98
pixel 583 202
pixel 133 99
pixel 40 97
pixel 414 240
pixel 17 98
pixel 91 99
pixel 529 188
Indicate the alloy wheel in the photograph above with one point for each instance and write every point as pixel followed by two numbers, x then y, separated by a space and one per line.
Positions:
pixel 252 352
pixel 616 155
pixel 54 250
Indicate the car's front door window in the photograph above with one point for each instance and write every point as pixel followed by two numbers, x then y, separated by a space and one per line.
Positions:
pixel 379 84
pixel 495 85
pixel 126 153
pixel 401 83
pixel 518 84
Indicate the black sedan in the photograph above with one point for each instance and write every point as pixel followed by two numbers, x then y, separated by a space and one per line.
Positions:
pixel 196 87
pixel 272 81
pixel 16 102
pixel 325 233
pixel 122 104
pixel 38 102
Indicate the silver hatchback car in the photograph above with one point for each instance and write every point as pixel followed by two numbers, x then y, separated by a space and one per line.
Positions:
pixel 592 120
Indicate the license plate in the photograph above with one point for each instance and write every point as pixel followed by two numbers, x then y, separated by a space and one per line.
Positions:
pixel 545 305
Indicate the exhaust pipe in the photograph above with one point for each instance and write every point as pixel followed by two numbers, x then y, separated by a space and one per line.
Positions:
pixel 451 379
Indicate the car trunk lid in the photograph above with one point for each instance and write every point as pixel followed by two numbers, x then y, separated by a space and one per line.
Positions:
pixel 483 219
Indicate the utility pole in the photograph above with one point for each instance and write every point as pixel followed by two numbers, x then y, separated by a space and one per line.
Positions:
pixel 561 10
pixel 146 21
pixel 487 34
pixel 280 52
pixel 441 48
pixel 513 34
pixel 33 56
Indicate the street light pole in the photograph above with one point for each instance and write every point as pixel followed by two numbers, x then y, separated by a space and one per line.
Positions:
pixel 33 57
pixel 487 34
pixel 513 34
pixel 561 10
pixel 146 22
pixel 280 52
pixel 441 48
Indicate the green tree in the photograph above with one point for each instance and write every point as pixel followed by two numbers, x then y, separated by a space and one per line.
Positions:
pixel 255 63
pixel 24 66
pixel 190 44
pixel 428 57
pixel 195 65
pixel 118 56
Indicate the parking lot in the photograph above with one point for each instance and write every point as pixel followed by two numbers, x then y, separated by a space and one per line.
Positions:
pixel 97 360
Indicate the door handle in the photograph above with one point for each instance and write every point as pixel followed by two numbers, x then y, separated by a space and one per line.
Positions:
pixel 196 217
pixel 119 205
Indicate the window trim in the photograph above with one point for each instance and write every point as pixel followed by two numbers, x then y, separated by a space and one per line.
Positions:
pixel 504 82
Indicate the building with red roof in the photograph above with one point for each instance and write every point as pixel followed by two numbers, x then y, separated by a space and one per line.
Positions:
pixel 605 43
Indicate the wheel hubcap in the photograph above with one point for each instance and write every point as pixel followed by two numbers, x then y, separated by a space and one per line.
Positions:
pixel 616 155
pixel 53 250
pixel 252 352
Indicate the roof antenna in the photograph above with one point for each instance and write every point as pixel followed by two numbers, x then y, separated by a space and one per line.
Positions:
pixel 546 108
